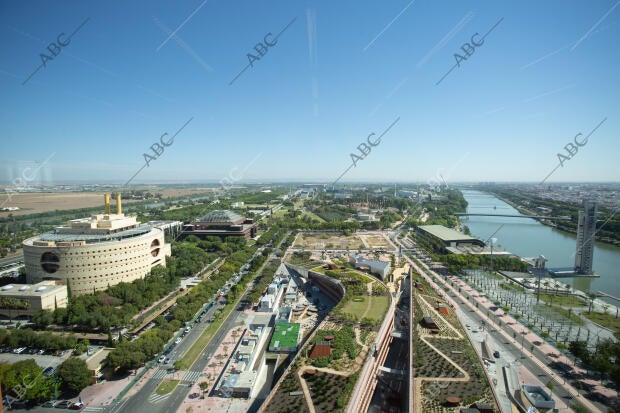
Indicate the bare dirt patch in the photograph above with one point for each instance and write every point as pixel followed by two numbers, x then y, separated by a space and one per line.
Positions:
pixel 33 203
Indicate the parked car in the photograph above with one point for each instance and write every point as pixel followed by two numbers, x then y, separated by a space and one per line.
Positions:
pixel 77 406
pixel 496 354
pixel 50 403
pixel 65 404
pixel 49 371
pixel 178 340
pixel 19 350
pixel 161 359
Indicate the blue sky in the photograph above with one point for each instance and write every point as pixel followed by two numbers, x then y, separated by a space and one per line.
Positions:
pixel 341 71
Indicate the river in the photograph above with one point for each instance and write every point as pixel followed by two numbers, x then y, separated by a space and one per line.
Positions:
pixel 527 237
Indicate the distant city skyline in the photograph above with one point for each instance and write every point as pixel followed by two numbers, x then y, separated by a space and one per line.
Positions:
pixel 515 104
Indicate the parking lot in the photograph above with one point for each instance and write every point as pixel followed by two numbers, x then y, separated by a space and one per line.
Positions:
pixel 45 360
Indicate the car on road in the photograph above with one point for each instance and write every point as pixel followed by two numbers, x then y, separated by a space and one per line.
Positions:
pixel 496 354
pixel 65 404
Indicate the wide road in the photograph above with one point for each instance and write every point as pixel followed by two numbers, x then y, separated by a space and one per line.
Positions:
pixel 145 400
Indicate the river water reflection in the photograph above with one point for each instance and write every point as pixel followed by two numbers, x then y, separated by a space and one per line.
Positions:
pixel 527 237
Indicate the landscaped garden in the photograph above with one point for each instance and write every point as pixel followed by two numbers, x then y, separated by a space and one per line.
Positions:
pixel 329 392
pixel 349 330
pixel 342 344
pixel 438 352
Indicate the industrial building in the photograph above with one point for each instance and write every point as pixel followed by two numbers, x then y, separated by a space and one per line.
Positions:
pixel 221 223
pixel 23 300
pixel 447 236
pixel 91 254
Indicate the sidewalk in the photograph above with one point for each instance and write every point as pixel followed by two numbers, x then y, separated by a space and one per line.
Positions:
pixel 102 394
pixel 211 374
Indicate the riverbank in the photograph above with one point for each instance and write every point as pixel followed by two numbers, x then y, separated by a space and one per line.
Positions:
pixel 530 238
pixel 525 211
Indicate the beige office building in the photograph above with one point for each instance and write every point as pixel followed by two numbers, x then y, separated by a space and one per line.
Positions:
pixel 91 254
pixel 18 300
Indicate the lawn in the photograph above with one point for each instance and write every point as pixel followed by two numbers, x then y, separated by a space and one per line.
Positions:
pixel 373 307
pixel 356 306
pixel 166 386
pixel 574 317
pixel 565 300
pixel 606 320
pixel 378 307
pixel 314 216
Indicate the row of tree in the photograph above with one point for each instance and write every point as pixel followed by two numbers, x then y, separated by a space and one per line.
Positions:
pixel 26 337
pixel 457 262
pixel 605 358
pixel 130 355
pixel 25 379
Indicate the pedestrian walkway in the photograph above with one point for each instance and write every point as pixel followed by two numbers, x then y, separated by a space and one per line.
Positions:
pixel 191 376
pixel 93 409
pixel 160 373
pixel 156 398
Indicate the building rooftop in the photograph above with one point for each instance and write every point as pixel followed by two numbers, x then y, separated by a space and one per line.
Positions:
pixel 446 234
pixel 58 236
pixel 221 216
pixel 286 335
pixel 31 290
pixel 374 263
pixel 95 356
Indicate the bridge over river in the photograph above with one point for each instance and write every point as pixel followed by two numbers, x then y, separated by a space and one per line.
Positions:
pixel 467 214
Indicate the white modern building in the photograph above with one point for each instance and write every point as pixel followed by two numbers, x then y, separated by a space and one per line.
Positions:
pixel 377 267
pixel 266 303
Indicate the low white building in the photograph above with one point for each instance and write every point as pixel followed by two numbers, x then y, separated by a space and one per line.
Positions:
pixel 377 267
pixel 266 303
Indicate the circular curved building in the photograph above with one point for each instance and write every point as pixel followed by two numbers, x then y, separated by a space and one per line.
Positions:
pixel 91 254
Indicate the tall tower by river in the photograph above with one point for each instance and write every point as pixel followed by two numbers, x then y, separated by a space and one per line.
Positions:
pixel 586 228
